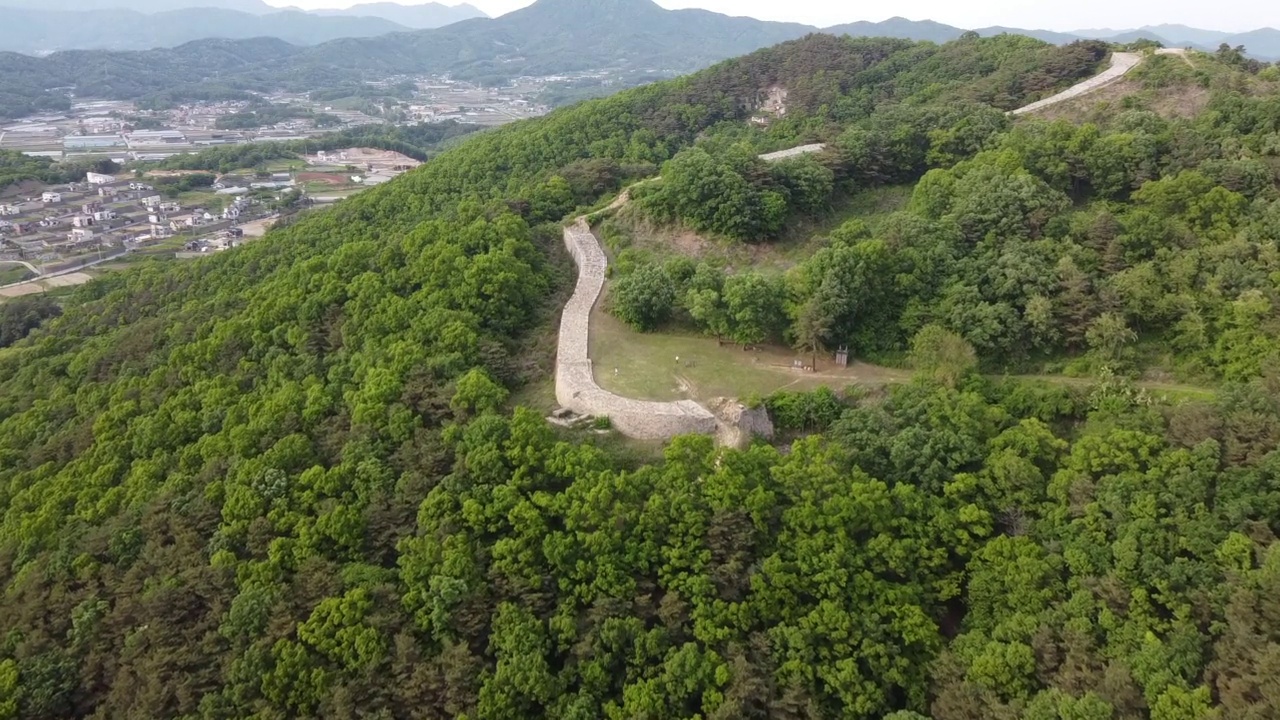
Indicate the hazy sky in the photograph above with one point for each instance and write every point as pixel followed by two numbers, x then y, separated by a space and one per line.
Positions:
pixel 1231 15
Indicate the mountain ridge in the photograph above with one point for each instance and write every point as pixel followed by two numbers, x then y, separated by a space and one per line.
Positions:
pixel 426 16
pixel 43 31
pixel 33 35
pixel 1261 43
pixel 550 37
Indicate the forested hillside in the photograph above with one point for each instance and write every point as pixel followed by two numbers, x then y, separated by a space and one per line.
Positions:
pixel 287 481
pixel 1145 241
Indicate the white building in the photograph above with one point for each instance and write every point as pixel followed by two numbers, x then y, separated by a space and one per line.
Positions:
pixel 151 201
pixel 80 235
pixel 9 210
pixel 51 197
pixel 98 178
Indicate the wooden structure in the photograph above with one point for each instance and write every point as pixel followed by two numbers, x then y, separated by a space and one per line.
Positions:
pixel 842 356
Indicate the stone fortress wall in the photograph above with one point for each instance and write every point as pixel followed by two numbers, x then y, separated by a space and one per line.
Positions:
pixel 1121 63
pixel 576 386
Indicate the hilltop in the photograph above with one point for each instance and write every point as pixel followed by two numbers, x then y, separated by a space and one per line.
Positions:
pixel 1262 43
pixel 303 478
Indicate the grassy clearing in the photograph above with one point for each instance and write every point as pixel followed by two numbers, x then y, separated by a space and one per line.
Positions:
pixel 871 206
pixel 647 367
pixel 14 273
pixel 210 201
pixel 280 165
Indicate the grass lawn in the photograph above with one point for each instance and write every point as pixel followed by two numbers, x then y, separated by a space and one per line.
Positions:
pixel 871 206
pixel 280 165
pixel 647 367
pixel 210 201
pixel 14 273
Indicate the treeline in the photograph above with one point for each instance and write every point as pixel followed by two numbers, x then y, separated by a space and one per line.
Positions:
pixel 19 316
pixel 174 185
pixel 404 90
pixel 261 115
pixel 16 167
pixel 419 142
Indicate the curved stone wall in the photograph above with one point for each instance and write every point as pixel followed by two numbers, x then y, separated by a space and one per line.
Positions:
pixel 576 386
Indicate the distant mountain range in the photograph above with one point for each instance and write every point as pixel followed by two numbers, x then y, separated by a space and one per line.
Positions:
pixel 418 17
pixel 1263 43
pixel 35 27
pixel 42 31
pixel 42 26
pixel 548 37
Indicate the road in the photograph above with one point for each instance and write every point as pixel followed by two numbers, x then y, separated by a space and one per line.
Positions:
pixel 23 263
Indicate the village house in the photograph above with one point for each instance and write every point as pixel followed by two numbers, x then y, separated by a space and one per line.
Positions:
pixel 80 234
pixel 104 215
pixel 98 178
pixel 107 191
pixel 10 210
pixel 90 208
pixel 151 201
pixel 82 221
pixel 51 197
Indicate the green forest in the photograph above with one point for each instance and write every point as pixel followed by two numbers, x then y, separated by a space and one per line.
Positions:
pixel 294 479
pixel 16 167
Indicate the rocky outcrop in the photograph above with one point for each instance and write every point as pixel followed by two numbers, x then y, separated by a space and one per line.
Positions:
pixel 737 424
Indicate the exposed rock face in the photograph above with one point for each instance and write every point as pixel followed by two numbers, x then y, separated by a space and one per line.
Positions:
pixel 738 425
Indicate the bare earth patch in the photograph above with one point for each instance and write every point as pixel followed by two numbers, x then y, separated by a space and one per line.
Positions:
pixel 1181 101
pixel 39 286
